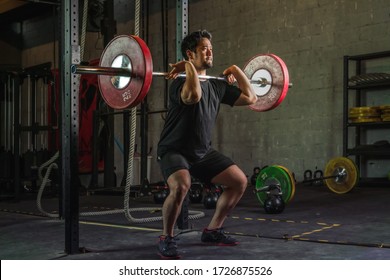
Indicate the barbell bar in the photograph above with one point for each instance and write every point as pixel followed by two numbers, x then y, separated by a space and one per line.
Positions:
pixel 338 177
pixel 125 74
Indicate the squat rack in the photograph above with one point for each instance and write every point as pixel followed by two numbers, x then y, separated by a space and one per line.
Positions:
pixel 69 103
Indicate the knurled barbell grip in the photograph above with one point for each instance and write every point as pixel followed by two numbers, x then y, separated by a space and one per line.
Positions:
pixel 183 75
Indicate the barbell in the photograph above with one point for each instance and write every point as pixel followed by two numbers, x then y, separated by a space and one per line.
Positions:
pixel 125 74
pixel 340 176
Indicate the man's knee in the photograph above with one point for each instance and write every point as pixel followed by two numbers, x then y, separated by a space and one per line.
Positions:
pixel 179 183
pixel 241 181
pixel 242 185
pixel 180 190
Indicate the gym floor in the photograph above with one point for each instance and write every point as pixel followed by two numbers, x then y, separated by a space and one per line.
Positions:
pixel 315 225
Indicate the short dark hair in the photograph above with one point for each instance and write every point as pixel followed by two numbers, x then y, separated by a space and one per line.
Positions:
pixel 191 41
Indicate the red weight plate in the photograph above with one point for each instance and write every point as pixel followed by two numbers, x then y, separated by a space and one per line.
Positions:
pixel 274 70
pixel 148 70
pixel 141 68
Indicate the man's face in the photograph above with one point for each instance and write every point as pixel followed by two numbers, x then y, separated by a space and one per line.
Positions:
pixel 202 58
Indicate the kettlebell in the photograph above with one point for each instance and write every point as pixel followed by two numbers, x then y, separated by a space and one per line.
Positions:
pixel 210 200
pixel 160 196
pixel 274 204
pixel 318 174
pixel 307 176
pixel 195 195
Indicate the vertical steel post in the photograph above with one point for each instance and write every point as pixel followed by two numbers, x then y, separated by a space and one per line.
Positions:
pixel 181 32
pixel 345 106
pixel 109 31
pixel 70 50
pixel 95 147
pixel 144 121
pixel 181 25
pixel 16 142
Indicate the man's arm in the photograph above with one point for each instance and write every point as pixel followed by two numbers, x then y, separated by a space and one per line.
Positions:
pixel 248 95
pixel 191 92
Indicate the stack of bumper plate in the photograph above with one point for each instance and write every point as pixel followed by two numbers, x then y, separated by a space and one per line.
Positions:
pixel 364 114
pixel 385 113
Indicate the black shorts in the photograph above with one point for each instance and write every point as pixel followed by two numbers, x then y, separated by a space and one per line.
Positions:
pixel 204 169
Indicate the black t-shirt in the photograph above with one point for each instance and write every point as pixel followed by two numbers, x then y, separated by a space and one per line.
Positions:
pixel 188 128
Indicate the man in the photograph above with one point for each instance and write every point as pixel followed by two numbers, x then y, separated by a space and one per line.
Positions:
pixel 185 145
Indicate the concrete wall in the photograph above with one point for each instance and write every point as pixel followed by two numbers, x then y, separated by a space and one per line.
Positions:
pixel 311 36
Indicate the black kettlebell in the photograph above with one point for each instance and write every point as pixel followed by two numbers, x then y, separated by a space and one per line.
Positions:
pixel 210 200
pixel 160 196
pixel 307 176
pixel 318 174
pixel 195 195
pixel 274 204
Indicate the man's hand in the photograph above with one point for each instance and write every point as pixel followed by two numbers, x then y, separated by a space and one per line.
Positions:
pixel 177 68
pixel 229 74
pixel 248 95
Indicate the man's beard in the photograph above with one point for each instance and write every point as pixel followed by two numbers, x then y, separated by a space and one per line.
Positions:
pixel 208 64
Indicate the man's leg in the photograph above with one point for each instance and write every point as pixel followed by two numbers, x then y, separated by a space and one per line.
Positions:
pixel 179 183
pixel 235 183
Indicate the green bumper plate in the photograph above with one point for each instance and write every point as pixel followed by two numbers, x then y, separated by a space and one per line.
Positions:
pixel 273 175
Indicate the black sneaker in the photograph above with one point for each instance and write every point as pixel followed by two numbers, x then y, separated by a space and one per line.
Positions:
pixel 167 247
pixel 218 238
